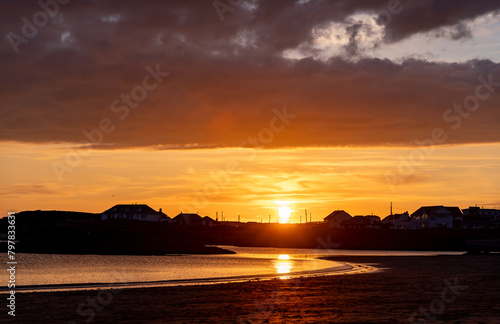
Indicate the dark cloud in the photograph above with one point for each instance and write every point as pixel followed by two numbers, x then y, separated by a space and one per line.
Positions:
pixel 429 15
pixel 351 48
pixel 225 78
pixel 461 31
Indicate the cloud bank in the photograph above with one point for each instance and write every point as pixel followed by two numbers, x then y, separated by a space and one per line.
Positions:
pixel 226 77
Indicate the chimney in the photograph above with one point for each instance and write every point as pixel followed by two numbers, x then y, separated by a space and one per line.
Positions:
pixel 160 210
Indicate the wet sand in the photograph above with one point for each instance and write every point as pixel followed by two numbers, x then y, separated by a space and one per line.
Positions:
pixel 442 289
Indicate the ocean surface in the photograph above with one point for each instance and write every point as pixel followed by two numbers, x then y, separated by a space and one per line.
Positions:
pixel 49 272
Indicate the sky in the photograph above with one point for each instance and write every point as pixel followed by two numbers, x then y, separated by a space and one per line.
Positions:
pixel 248 106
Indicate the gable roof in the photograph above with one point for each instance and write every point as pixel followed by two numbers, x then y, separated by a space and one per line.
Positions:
pixel 397 217
pixel 438 210
pixel 208 219
pixel 140 209
pixel 337 214
pixel 188 218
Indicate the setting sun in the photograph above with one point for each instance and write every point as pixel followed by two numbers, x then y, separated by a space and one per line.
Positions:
pixel 284 214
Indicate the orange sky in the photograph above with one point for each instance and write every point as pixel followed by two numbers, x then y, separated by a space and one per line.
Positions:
pixel 318 179
pixel 317 105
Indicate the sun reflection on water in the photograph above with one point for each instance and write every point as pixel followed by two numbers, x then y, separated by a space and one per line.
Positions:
pixel 283 265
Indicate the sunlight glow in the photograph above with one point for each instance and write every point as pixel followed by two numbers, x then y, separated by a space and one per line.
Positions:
pixel 284 265
pixel 284 214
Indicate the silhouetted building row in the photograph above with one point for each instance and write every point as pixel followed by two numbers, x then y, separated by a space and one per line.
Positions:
pixel 145 213
pixel 340 218
pixel 424 217
pixel 193 220
pixel 475 217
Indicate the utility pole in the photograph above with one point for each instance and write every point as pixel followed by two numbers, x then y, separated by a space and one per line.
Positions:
pixel 391 208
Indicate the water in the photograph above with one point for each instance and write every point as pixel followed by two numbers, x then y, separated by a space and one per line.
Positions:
pixel 35 272
pixel 314 253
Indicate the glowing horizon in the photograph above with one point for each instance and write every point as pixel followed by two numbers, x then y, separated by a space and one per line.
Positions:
pixel 319 180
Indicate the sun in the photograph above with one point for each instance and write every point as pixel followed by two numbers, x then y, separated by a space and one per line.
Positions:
pixel 284 214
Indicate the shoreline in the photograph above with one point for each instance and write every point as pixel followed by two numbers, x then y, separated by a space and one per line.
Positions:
pixel 405 285
pixel 339 269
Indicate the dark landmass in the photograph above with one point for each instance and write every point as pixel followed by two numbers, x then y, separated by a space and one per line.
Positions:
pixel 448 289
pixel 324 237
pixel 86 233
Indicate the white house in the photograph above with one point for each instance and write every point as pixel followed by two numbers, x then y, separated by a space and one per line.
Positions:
pixel 137 212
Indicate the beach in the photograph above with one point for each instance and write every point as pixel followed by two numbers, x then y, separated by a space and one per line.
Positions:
pixel 419 289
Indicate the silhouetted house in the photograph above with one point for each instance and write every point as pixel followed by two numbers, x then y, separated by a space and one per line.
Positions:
pixel 369 221
pixel 437 217
pixel 480 218
pixel 357 222
pixel 188 219
pixel 491 214
pixel 135 212
pixel 207 221
pixel 374 220
pixel 336 218
pixel 398 220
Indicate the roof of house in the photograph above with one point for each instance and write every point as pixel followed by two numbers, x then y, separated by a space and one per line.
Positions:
pixel 209 219
pixel 394 217
pixel 454 211
pixel 337 214
pixel 140 209
pixel 357 220
pixel 187 217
